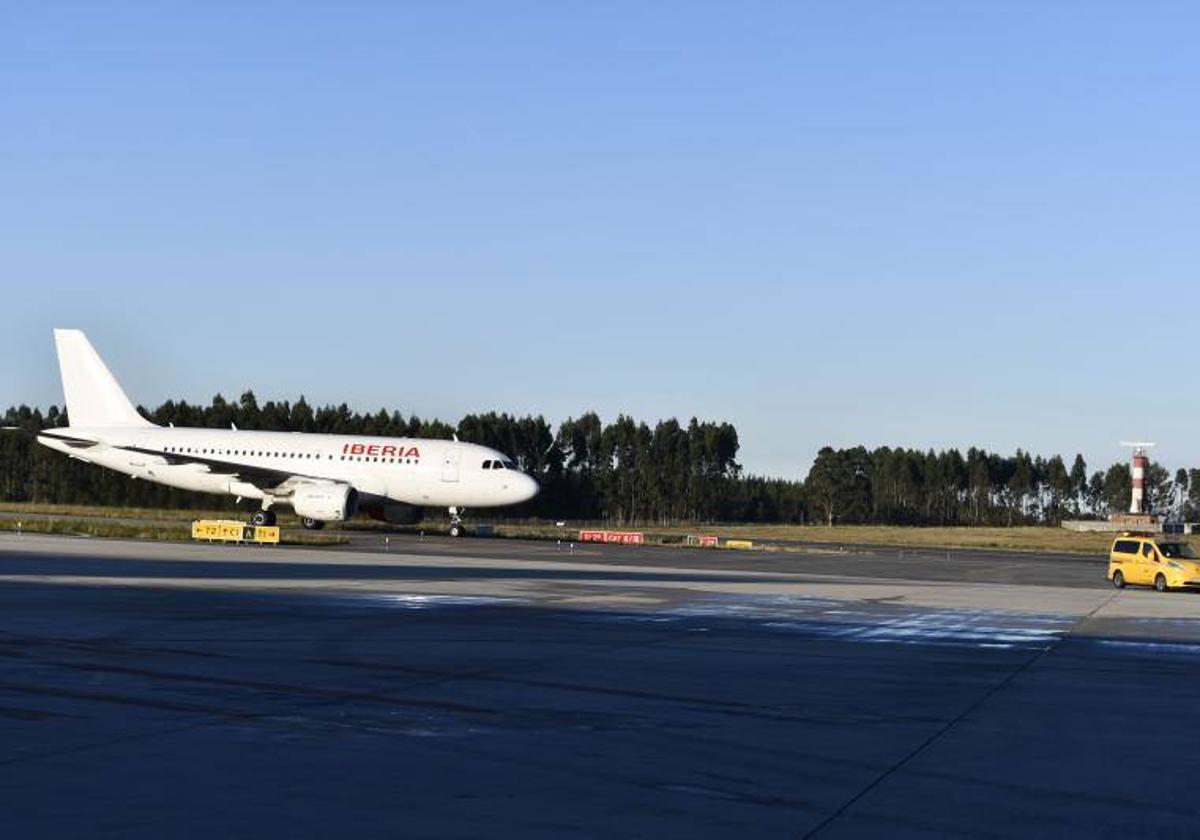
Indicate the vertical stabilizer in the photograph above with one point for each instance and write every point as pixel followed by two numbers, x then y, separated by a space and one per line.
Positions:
pixel 94 399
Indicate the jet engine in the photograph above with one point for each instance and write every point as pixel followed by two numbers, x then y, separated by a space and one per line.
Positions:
pixel 325 502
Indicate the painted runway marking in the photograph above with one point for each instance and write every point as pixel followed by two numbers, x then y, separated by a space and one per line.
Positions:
pixel 408 601
pixel 882 622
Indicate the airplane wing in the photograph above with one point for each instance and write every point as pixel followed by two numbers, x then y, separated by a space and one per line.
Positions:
pixel 265 478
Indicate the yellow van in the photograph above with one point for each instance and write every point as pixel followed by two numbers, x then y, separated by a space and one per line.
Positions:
pixel 1163 563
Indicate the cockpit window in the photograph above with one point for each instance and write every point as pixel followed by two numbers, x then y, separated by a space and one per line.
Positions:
pixel 509 465
pixel 487 465
pixel 496 465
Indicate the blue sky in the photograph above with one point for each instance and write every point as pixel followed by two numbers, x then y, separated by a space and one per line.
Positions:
pixel 909 223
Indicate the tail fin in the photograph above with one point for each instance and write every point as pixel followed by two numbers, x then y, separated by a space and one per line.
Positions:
pixel 94 399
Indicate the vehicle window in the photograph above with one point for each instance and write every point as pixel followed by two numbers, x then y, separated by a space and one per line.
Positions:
pixel 1182 550
pixel 1147 549
pixel 1125 547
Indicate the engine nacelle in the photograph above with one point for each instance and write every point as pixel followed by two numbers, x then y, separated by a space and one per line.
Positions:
pixel 325 502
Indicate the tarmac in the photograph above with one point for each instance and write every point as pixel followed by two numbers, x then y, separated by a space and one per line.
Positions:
pixel 431 687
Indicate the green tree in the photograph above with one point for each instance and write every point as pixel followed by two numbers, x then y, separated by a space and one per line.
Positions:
pixel 1060 489
pixel 1117 488
pixel 1079 484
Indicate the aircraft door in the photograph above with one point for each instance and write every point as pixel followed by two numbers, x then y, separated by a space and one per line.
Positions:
pixel 450 462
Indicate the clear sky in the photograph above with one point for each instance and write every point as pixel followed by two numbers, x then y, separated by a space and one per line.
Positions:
pixel 910 223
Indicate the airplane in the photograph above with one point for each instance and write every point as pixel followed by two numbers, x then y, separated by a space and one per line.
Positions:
pixel 323 478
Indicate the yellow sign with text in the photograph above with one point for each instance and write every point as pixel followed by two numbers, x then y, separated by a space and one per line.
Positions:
pixel 229 530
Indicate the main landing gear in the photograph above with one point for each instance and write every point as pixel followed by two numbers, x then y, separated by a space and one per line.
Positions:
pixel 456 522
pixel 267 518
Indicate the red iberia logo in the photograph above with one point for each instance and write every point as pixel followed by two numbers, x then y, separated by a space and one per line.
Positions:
pixel 382 450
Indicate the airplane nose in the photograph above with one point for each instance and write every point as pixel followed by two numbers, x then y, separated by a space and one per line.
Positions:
pixel 528 488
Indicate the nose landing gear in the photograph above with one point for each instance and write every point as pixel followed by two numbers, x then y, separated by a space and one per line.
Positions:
pixel 265 518
pixel 456 522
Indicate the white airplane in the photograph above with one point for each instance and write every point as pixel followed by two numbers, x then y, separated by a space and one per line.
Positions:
pixel 324 478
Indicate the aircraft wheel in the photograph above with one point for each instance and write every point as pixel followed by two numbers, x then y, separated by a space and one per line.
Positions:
pixel 1118 580
pixel 456 530
pixel 264 518
pixel 312 524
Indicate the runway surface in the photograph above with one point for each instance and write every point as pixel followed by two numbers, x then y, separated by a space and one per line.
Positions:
pixel 482 688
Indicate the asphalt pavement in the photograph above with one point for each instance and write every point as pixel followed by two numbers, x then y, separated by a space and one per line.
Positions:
pixel 479 688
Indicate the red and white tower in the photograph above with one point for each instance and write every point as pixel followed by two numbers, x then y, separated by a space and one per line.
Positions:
pixel 1140 463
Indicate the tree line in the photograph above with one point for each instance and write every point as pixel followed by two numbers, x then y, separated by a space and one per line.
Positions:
pixel 622 471
pixel 627 472
pixel 910 487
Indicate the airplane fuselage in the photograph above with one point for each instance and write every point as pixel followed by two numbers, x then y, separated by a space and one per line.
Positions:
pixel 411 471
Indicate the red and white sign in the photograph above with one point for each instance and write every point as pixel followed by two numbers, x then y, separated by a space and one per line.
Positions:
pixel 613 537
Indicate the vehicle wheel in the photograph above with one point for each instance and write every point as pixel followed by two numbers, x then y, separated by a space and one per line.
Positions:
pixel 1160 582
pixel 456 530
pixel 1118 579
pixel 312 524
pixel 264 518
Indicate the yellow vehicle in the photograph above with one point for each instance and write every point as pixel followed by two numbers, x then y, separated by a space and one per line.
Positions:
pixel 1151 560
